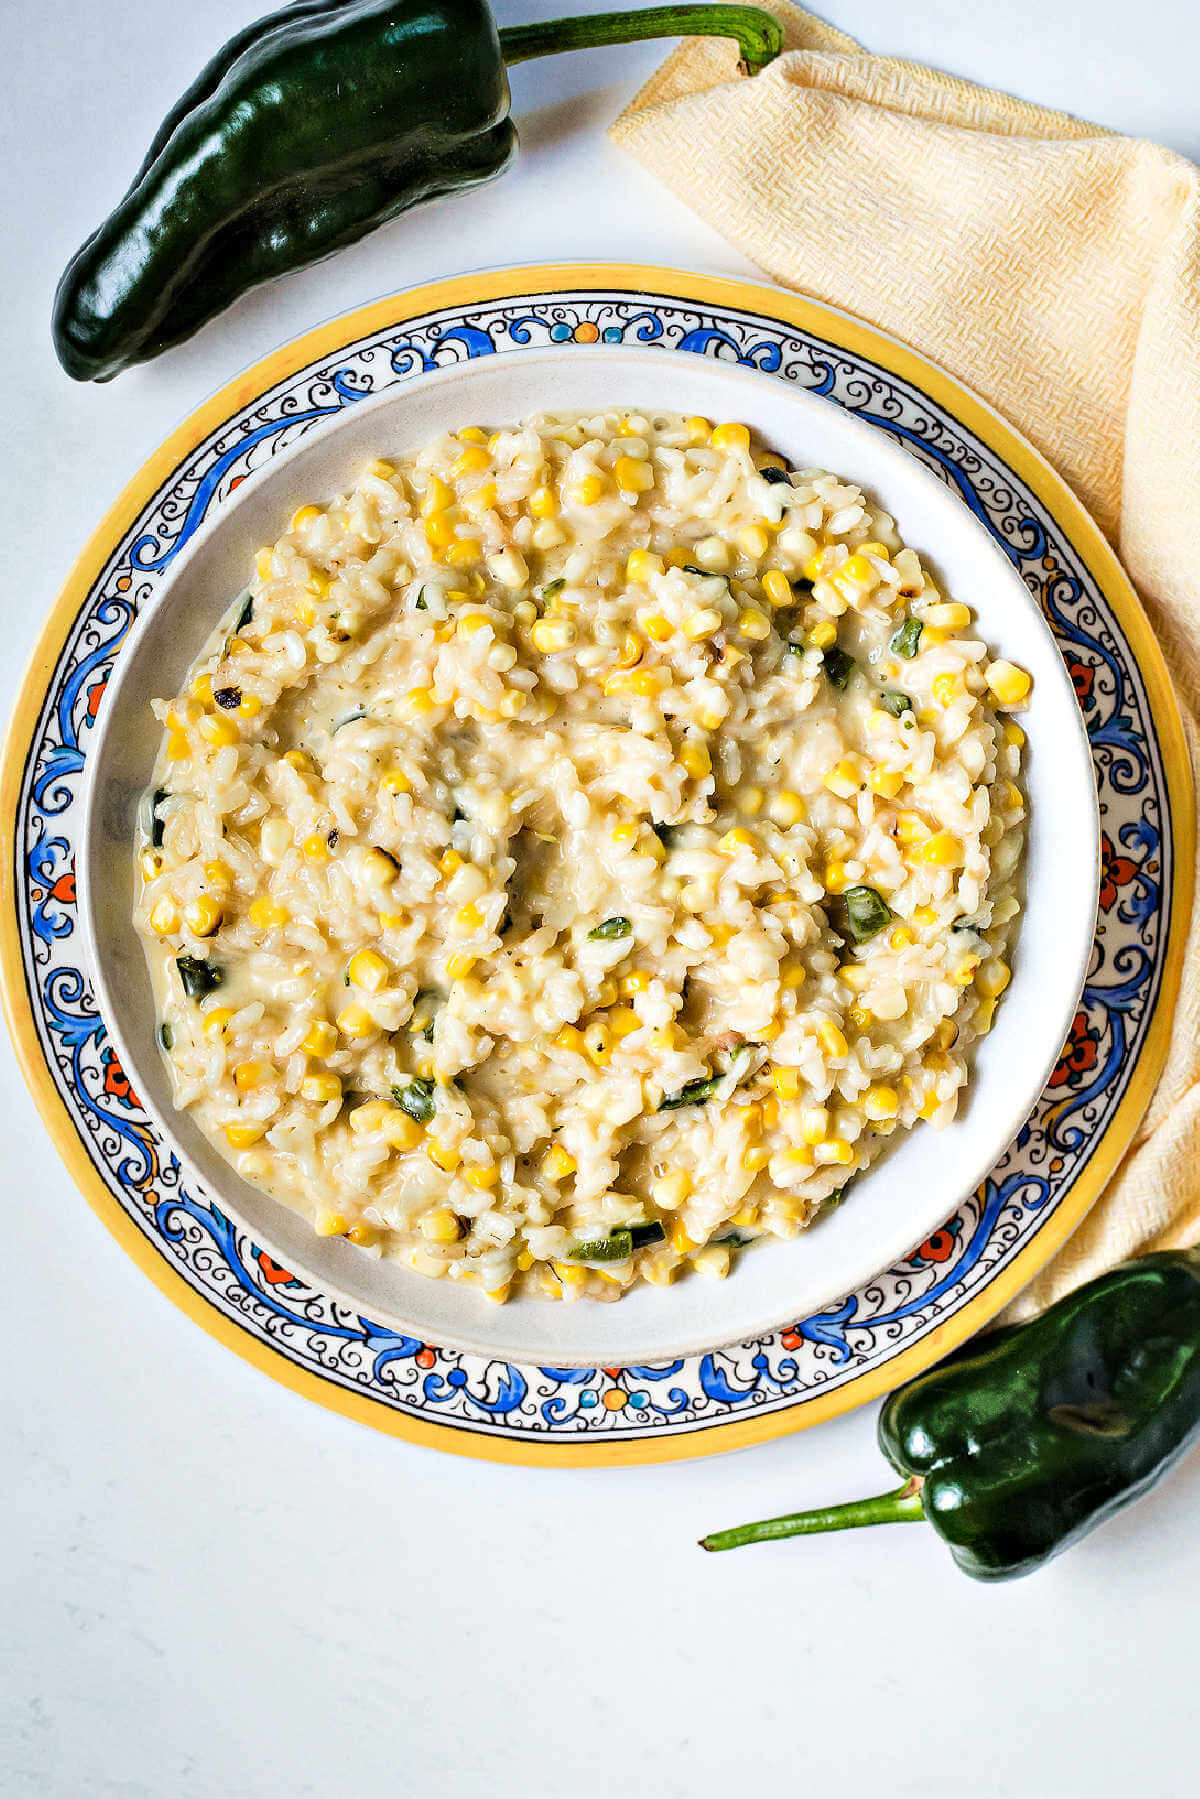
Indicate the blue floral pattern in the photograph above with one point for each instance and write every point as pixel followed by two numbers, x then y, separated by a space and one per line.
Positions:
pixel 829 1349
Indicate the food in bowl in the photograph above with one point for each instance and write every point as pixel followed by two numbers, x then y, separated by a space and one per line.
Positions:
pixel 582 848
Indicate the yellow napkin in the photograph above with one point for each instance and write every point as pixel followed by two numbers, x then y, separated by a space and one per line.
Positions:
pixel 1055 268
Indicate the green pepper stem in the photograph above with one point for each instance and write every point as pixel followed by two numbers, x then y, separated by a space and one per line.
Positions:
pixel 901 1506
pixel 759 34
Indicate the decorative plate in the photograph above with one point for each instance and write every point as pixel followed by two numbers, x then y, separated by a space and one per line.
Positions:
pixel 868 1341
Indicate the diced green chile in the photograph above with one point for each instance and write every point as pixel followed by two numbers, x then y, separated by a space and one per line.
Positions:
pixel 416 1098
pixel 246 614
pixel 166 1035
pixel 351 718
pixel 156 823
pixel 421 604
pixel 199 977
pixel 907 640
pixel 618 1244
pixel 895 702
pixel 776 476
pixel 866 913
pixel 837 666
pixel 694 1094
pixel 643 1234
pixel 551 588
pixel 668 835
pixel 610 930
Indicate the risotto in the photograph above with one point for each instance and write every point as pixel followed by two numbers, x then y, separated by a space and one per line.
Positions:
pixel 582 847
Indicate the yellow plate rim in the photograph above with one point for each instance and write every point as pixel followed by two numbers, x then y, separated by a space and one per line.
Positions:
pixel 846 332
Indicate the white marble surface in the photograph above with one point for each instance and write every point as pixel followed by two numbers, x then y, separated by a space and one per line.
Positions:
pixel 211 1588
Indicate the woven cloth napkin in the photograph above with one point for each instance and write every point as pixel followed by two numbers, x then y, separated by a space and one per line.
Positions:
pixel 1055 268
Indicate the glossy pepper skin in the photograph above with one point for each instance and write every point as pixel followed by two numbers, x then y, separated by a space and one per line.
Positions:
pixel 308 130
pixel 1021 1443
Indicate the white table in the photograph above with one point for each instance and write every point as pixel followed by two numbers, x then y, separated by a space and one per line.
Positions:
pixel 212 1587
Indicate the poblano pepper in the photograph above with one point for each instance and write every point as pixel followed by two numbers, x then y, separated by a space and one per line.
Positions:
pixel 1025 1440
pixel 308 130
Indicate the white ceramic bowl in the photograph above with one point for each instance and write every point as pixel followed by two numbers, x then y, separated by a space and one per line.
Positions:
pixel 911 1189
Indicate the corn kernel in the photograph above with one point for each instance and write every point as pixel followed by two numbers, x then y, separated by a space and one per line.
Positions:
pixel 543 502
pixel 791 978
pixel 679 1239
pixel 472 461
pixel 368 971
pixel 623 1021
pixel 1008 683
pixel 786 809
pixel 267 914
pixel 459 965
pixel 787 1164
pixel 860 1017
pixel 241 1136
pixel 993 978
pixel 550 635
pixel 557 1163
pixel 712 1261
pixel 437 496
pixel 1014 735
pixel 440 1226
pixel 843 781
pixel 814 566
pixel 482 1175
pixel 786 1082
pixel 823 635
pixel 202 689
pixel 754 541
pixel 911 828
pixel 249 706
pixel 777 587
pixel 835 879
pixel 570 1038
pixel 965 972
pixel 885 782
pixel 439 530
pixel 731 437
pixel 672 1190
pixel 750 800
pixel 590 490
pixel 984 1015
pixel 625 834
pixel 164 917
pixel 248 1075
pixel 699 431
pixel 464 550
pixel 754 1161
pixel 449 862
pixel 833 1151
pixel 315 847
pixel 632 475
pixel 737 839
pixel 946 689
pixel 701 623
pixel 442 1155
pixel 203 916
pixel 943 850
pixel 220 732
pixel 216 1020
pixel 901 937
pixel 509 568
pixel 319 1038
pixel 656 626
pixel 832 1040
pixel 355 1021
pixel 880 1103
pixel 754 624
pixel 378 869
pixel 947 615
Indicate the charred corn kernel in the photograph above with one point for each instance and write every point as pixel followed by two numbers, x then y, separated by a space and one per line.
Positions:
pixel 623 1021
pixel 368 971
pixel 731 437
pixel 885 782
pixel 248 1075
pixel 699 431
pixel 550 635
pixel 750 800
pixel 833 1151
pixel 241 1136
pixel 216 1020
pixel 754 624
pixel 319 1038
pixel 469 917
pixel 672 1190
pixel 695 758
pixel 355 1021
pixel 860 1017
pixel 633 475
pixel 320 1089
pixel 911 828
pixel 901 937
pixel 315 847
pixel 786 808
pixel 777 588
pixel 202 916
pixel 943 850
pixel 509 568
pixel 590 490
pixel 1008 683
pixel 835 878
pixel 437 496
pixel 439 530
pixel 946 689
pixel 557 1164
pixel 472 461
pixel 754 541
pixel 464 550
pixel 993 978
pixel 164 917
pixel 379 869
pixel 737 839
pixel 843 781
pixel 831 1039
pixel 786 1082
pixel 964 974
pixel 880 1103
pixel 543 502
pixel 218 731
pixel 1015 735
pixel 440 1225
pixel 701 623
pixel 450 862
pixel 656 626
pixel 823 635
pixel 482 1175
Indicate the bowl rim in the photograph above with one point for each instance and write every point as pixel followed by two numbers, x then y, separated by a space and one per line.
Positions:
pixel 459 1336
